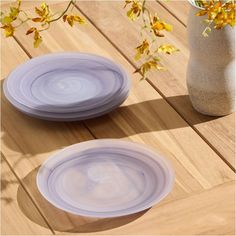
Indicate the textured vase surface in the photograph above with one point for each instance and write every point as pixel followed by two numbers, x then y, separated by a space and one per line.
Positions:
pixel 211 67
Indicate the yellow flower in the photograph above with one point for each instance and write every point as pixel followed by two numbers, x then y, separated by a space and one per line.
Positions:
pixel 9 30
pixel 14 12
pixel 157 25
pixel 219 12
pixel 148 66
pixel 167 48
pixel 43 12
pixel 7 19
pixel 143 48
pixel 135 9
pixel 37 37
pixel 73 18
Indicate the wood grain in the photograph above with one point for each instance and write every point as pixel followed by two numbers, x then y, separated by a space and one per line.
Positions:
pixel 206 213
pixel 178 8
pixel 218 132
pixel 7 47
pixel 13 220
pixel 145 117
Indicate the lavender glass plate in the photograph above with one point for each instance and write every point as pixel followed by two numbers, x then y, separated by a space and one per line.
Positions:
pixel 105 178
pixel 66 116
pixel 67 82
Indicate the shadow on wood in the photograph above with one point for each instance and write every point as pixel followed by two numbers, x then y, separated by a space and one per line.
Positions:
pixel 60 220
pixel 37 136
pixel 40 136
pixel 147 116
pixel 5 183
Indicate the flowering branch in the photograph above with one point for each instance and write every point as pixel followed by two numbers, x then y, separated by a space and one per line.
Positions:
pixel 149 50
pixel 219 13
pixel 44 18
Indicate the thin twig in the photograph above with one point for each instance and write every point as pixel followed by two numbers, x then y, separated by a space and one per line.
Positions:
pixel 63 13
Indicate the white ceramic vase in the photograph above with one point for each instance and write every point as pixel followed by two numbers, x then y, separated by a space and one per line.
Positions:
pixel 211 67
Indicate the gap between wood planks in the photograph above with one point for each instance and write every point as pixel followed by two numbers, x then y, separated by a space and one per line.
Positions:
pixel 151 84
pixel 176 17
pixel 31 199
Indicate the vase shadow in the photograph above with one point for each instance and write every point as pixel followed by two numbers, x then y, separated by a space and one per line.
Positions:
pixel 157 113
pixel 60 220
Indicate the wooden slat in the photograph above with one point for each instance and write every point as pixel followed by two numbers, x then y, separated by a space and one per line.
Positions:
pixel 178 8
pixel 139 119
pixel 13 219
pixel 110 18
pixel 8 48
pixel 26 5
pixel 207 213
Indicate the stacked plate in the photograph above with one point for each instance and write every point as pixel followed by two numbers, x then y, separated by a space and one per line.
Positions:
pixel 67 86
pixel 105 178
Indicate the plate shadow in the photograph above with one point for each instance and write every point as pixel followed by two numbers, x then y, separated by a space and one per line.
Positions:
pixel 60 220
pixel 142 117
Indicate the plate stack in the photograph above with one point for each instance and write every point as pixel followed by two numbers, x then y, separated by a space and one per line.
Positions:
pixel 67 86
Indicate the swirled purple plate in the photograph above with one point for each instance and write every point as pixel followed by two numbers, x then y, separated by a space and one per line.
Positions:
pixel 105 178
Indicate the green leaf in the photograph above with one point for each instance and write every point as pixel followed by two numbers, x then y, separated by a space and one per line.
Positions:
pixel 14 11
pixel 137 56
pixel 131 14
pixel 206 31
pixel 6 20
pixel 156 58
pixel 37 42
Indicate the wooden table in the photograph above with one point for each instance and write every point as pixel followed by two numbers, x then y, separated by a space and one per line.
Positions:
pixel 157 113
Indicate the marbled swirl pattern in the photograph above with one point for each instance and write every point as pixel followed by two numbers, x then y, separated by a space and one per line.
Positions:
pixel 105 178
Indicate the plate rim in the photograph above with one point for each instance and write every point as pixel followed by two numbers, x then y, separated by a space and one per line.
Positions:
pixel 160 160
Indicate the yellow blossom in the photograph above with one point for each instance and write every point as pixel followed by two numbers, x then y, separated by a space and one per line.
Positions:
pixel 9 30
pixel 37 39
pixel 14 12
pixel 219 12
pixel 135 10
pixel 73 18
pixel 147 66
pixel 16 17
pixel 158 25
pixel 5 20
pixel 8 18
pixel 167 48
pixel 43 12
pixel 143 48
